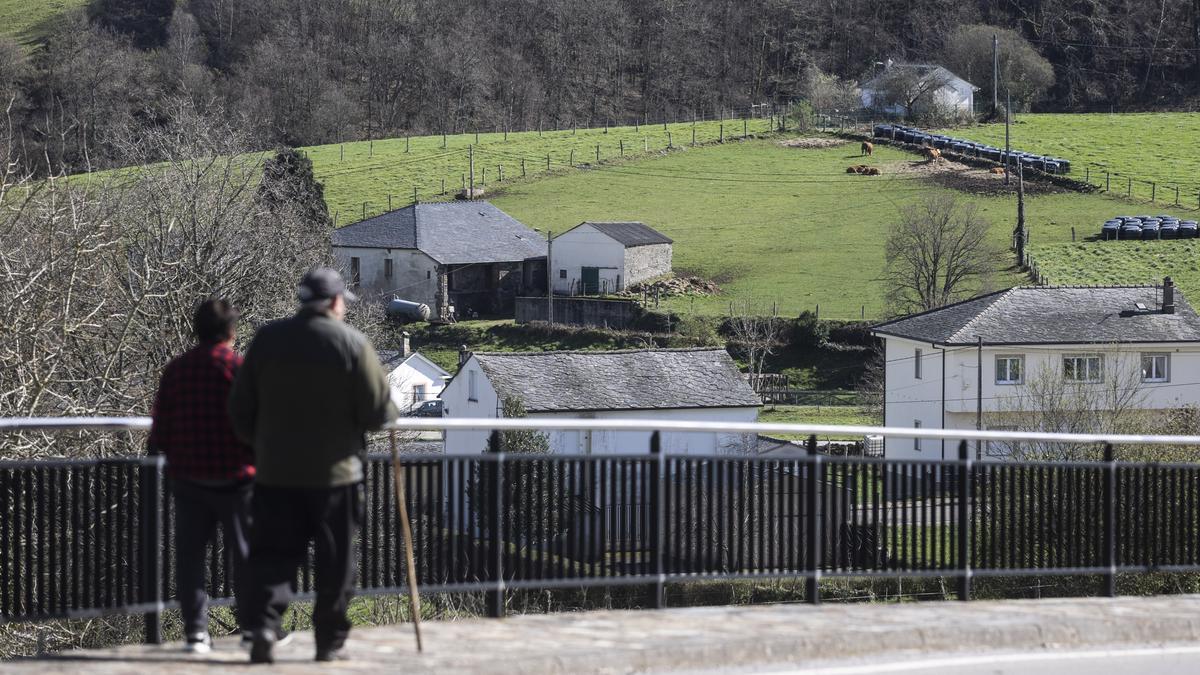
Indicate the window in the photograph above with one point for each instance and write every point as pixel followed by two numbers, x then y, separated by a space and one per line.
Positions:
pixel 1083 368
pixel 472 386
pixel 428 274
pixel 562 274
pixel 1156 367
pixel 354 271
pixel 418 392
pixel 917 364
pixel 917 425
pixel 387 268
pixel 1010 369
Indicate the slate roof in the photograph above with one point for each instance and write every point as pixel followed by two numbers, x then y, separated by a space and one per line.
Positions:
pixel 452 233
pixel 629 233
pixel 650 379
pixel 1053 315
pixel 924 71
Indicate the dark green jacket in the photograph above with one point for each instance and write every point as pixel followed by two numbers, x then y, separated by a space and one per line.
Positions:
pixel 309 390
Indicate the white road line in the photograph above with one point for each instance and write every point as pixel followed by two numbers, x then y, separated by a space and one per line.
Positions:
pixel 989 659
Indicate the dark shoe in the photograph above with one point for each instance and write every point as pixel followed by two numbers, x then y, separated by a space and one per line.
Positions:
pixel 335 654
pixel 284 639
pixel 262 647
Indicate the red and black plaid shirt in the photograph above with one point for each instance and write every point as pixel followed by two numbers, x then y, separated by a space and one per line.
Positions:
pixel 191 419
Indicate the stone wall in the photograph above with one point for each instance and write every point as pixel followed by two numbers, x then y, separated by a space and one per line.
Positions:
pixel 646 262
pixel 590 312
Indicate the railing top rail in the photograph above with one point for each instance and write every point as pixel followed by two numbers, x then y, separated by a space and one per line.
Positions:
pixel 648 424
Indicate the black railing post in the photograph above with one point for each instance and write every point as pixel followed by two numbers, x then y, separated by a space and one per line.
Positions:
pixel 1110 522
pixel 812 528
pixel 495 598
pixel 152 546
pixel 658 503
pixel 964 521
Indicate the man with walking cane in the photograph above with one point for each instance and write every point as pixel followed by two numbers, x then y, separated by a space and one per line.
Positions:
pixel 309 390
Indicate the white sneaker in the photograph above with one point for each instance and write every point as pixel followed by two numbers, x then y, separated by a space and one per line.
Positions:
pixel 198 643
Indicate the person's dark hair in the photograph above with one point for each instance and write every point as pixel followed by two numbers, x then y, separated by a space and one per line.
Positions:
pixel 214 320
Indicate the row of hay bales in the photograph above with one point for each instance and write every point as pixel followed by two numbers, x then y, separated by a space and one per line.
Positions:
pixel 1148 227
pixel 1052 165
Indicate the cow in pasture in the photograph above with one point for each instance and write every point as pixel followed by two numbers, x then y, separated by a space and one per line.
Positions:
pixel 867 149
pixel 998 170
pixel 931 154
pixel 871 171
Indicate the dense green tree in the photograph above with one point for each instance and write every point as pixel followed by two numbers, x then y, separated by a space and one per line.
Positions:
pixel 289 182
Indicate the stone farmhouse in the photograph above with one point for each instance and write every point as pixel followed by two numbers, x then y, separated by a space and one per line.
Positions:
pixel 456 257
pixel 933 88
pixel 659 384
pixel 993 357
pixel 605 257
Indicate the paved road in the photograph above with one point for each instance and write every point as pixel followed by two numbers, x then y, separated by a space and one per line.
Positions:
pixel 941 638
pixel 1150 660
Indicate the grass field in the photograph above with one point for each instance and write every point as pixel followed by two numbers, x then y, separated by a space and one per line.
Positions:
pixel 777 226
pixel 1144 146
pixel 23 19
pixel 1116 262
pixel 360 177
pixel 811 414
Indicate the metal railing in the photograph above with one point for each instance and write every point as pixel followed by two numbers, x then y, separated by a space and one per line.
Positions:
pixel 83 538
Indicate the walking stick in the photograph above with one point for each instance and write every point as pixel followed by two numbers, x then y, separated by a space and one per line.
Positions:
pixel 414 596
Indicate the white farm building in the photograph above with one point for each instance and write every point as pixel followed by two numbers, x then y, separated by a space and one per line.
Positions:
pixel 606 257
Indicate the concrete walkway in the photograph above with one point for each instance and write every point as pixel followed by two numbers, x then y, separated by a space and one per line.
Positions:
pixel 710 639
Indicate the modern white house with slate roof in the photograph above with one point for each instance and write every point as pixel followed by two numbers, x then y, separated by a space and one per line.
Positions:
pixel 933 88
pixel 977 359
pixel 467 255
pixel 658 384
pixel 605 257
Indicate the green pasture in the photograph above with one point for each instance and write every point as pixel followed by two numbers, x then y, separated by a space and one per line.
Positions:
pixel 1120 262
pixel 780 228
pixel 847 415
pixel 1144 147
pixel 24 19
pixel 360 177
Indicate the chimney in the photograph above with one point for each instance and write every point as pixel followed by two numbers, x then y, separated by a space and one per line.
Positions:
pixel 463 355
pixel 405 345
pixel 1168 300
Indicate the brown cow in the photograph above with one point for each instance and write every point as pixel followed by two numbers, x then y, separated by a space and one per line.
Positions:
pixel 867 149
pixel 931 154
pixel 852 169
pixel 998 170
pixel 871 171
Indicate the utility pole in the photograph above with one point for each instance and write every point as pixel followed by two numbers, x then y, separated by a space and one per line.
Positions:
pixel 979 397
pixel 1007 145
pixel 549 278
pixel 471 162
pixel 1020 216
pixel 995 74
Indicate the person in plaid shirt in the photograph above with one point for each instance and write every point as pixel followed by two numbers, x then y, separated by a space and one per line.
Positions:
pixel 211 471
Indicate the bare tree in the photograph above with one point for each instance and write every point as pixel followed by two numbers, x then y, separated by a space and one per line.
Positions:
pixel 757 338
pixel 909 87
pixel 937 253
pixel 98 276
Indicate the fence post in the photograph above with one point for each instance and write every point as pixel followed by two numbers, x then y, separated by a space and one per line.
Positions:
pixel 812 553
pixel 1176 195
pixel 1087 174
pixel 964 521
pixel 152 545
pixel 658 513
pixel 1110 522
pixel 495 597
pixel 1153 190
pixel 1107 182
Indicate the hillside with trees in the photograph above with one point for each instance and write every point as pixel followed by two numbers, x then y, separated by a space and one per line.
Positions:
pixel 302 72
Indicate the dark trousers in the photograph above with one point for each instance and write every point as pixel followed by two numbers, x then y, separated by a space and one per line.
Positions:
pixel 198 509
pixel 285 520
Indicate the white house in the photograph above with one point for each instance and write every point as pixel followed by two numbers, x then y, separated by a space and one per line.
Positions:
pixel 413 378
pixel 604 257
pixel 658 384
pixel 929 88
pixel 468 255
pixel 1017 342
